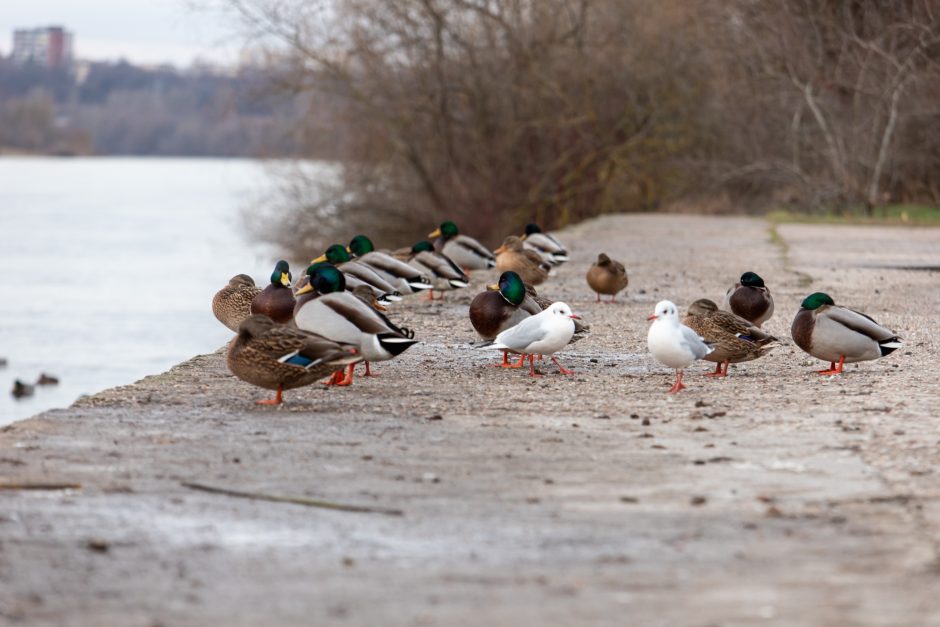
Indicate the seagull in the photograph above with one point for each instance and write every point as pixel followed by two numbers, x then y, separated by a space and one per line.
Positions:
pixel 541 334
pixel 672 343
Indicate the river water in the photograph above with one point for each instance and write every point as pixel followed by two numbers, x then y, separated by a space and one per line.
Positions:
pixel 108 267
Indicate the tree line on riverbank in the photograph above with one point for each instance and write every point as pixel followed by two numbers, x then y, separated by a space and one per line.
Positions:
pixel 499 112
pixel 123 109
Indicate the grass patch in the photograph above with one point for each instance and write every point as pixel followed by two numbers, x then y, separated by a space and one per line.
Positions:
pixel 903 215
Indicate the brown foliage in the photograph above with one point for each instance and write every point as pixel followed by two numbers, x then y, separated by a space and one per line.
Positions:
pixel 495 113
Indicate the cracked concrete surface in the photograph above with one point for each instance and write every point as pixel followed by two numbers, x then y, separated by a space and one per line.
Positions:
pixel 774 496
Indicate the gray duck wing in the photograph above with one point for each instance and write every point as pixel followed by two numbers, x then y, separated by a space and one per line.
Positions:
pixel 858 322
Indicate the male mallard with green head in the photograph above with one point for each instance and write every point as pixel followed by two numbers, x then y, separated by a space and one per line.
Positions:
pixel 325 307
pixel 447 274
pixel 357 273
pixel 500 307
pixel 466 252
pixel 733 338
pixel 232 304
pixel 750 299
pixel 277 357
pixel 544 244
pixel 405 277
pixel 276 301
pixel 606 276
pixel 528 264
pixel 839 335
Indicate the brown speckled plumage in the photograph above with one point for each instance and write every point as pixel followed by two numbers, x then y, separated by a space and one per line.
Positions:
pixel 232 304
pixel 254 354
pixel 722 329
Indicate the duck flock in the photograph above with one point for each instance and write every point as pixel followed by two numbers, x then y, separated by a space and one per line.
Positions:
pixel 336 315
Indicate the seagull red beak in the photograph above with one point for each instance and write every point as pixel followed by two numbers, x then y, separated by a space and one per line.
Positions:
pixel 653 317
pixel 575 316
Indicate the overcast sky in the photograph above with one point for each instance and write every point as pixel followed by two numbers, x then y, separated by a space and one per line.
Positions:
pixel 141 31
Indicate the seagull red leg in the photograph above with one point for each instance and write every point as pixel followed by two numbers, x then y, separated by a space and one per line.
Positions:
pixel 561 368
pixel 369 372
pixel 678 384
pixel 532 366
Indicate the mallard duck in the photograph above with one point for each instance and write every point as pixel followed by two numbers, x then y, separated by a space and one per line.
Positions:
pixel 500 307
pixel 733 338
pixel 276 301
pixel 839 335
pixel 47 379
pixel 545 333
pixel 21 389
pixel 528 264
pixel 465 251
pixel 547 246
pixel 750 299
pixel 606 276
pixel 323 306
pixel 277 357
pixel 672 343
pixel 446 273
pixel 407 278
pixel 357 273
pixel 232 304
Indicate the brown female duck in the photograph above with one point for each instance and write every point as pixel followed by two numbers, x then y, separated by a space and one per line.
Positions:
pixel 278 357
pixel 232 304
pixel 606 276
pixel 513 256
pixel 733 338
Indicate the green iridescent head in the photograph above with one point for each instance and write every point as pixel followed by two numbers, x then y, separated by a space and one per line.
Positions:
pixel 751 279
pixel 817 300
pixel 422 246
pixel 446 230
pixel 281 274
pixel 360 245
pixel 512 288
pixel 335 254
pixel 326 278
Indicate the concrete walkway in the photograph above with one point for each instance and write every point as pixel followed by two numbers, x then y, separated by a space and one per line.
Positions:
pixel 772 497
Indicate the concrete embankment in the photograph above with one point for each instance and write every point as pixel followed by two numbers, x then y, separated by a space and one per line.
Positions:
pixel 773 496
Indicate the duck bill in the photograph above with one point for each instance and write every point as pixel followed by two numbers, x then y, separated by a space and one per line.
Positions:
pixel 493 288
pixel 499 250
pixel 319 259
pixel 348 249
pixel 523 236
pixel 435 233
pixel 285 279
pixel 306 289
pixel 653 317
pixel 378 306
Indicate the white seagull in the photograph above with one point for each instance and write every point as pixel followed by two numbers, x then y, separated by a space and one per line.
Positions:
pixel 672 343
pixel 541 334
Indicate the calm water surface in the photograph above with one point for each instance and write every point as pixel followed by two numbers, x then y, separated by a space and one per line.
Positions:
pixel 108 267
